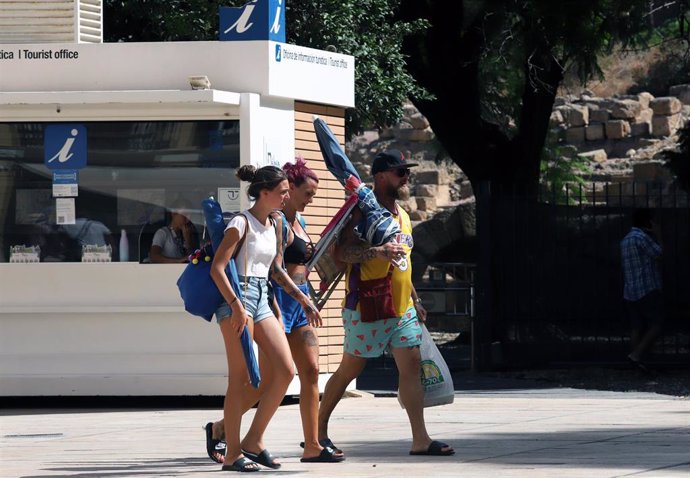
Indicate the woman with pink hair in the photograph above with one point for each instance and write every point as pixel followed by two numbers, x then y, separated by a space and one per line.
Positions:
pixel 302 337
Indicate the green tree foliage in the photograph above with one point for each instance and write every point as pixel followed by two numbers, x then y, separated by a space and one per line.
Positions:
pixel 558 173
pixel 494 66
pixel 484 72
pixel 366 29
pixel 153 20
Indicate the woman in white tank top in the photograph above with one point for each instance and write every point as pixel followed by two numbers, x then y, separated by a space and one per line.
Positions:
pixel 257 258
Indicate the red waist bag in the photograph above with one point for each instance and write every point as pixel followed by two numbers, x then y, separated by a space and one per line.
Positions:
pixel 376 298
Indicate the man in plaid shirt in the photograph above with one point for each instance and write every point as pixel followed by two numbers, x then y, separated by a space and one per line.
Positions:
pixel 640 256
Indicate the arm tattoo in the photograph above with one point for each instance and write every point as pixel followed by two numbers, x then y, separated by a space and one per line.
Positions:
pixel 280 275
pixel 357 253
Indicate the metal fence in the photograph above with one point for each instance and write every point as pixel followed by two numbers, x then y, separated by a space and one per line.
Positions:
pixel 550 281
pixel 447 293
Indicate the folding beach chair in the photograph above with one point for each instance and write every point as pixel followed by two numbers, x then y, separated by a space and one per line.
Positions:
pixel 329 270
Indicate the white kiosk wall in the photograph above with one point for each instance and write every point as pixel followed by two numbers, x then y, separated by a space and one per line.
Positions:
pixel 119 328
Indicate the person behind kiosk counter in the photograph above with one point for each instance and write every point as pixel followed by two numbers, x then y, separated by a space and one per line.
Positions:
pixel 173 243
pixel 301 334
pixel 89 232
pixel 258 257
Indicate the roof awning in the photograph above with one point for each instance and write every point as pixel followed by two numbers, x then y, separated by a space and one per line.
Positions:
pixel 118 105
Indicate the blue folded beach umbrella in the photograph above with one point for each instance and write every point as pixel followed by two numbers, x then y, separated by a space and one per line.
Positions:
pixel 335 158
pixel 378 225
pixel 216 228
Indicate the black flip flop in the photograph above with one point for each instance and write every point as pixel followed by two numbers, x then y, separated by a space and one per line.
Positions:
pixel 213 446
pixel 326 443
pixel 264 458
pixel 436 448
pixel 327 455
pixel 243 465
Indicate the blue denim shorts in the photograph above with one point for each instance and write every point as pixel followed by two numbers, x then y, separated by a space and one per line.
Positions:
pixel 291 310
pixel 255 300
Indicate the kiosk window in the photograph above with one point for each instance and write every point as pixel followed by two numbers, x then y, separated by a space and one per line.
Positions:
pixel 134 174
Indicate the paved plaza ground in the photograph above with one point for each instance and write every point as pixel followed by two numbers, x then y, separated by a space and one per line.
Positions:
pixel 557 432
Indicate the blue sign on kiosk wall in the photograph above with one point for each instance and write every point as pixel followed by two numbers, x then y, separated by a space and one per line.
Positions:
pixel 256 20
pixel 65 183
pixel 64 146
pixel 66 176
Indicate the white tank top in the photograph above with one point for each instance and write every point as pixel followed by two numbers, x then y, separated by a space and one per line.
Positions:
pixel 259 246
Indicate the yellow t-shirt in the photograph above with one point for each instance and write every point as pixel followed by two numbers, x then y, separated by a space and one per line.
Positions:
pixel 401 280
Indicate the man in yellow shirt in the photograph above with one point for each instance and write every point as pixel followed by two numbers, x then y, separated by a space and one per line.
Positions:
pixel 402 333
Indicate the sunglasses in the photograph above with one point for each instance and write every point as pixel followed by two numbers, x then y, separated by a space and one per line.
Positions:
pixel 402 172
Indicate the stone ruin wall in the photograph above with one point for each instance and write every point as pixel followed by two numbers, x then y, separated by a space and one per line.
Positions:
pixel 621 137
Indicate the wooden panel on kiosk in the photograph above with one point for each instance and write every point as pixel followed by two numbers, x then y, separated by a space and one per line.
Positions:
pixel 329 198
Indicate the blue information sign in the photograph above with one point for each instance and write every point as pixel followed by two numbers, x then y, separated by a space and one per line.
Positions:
pixel 65 146
pixel 256 20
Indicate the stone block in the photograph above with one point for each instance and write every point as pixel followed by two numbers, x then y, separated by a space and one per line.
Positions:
pixel 426 204
pixel 418 121
pixel 644 99
pixel 408 205
pixel 575 135
pixel 645 116
pixel 666 106
pixel 556 118
pixel 597 156
pixel 466 190
pixel 640 129
pixel 665 125
pixel 411 134
pixel 418 215
pixel 594 131
pixel 625 109
pixel 430 176
pixel 387 133
pixel 682 92
pixel 598 115
pixel 430 190
pixel 578 115
pixel 617 129
pixel 443 195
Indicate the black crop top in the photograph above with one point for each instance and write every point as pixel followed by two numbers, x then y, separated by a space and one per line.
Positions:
pixel 297 252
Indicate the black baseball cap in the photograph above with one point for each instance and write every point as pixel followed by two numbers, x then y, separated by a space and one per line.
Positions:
pixel 389 159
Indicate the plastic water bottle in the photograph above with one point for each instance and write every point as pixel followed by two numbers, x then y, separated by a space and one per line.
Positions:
pixel 124 246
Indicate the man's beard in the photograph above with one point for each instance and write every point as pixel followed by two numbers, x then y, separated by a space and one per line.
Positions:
pixel 402 193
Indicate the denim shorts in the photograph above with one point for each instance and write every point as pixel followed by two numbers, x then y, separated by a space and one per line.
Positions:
pixel 370 339
pixel 255 300
pixel 291 310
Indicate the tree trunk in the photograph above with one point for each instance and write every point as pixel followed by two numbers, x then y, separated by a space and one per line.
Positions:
pixel 481 149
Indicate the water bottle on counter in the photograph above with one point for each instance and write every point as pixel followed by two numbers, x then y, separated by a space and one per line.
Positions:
pixel 124 246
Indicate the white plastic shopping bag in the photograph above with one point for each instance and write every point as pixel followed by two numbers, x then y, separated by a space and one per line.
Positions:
pixel 436 380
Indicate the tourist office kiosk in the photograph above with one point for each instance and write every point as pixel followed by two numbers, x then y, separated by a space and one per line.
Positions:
pixel 97 143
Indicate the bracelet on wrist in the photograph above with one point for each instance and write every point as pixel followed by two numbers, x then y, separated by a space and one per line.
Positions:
pixel 232 301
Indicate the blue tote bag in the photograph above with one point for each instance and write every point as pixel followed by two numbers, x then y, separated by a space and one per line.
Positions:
pixel 199 293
